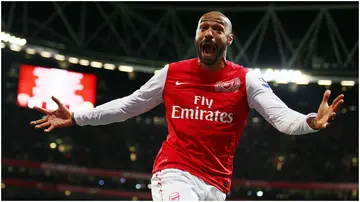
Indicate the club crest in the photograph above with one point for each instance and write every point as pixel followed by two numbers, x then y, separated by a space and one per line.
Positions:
pixel 228 86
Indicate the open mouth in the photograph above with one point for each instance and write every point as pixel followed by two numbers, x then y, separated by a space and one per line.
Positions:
pixel 208 48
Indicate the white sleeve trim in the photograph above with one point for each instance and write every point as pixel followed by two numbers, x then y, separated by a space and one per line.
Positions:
pixel 276 112
pixel 142 100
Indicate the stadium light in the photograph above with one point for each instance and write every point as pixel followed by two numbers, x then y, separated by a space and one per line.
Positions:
pixel 96 64
pixel 6 37
pixel 67 193
pixel 53 145
pixel 84 62
pixel 124 68
pixel 324 82
pixel 45 54
pixel 260 193
pixel 73 60
pixel 59 57
pixel 268 75
pixel 303 82
pixel 109 66
pixel 282 76
pixel 256 70
pixel 3 45
pixel 15 47
pixel 348 83
pixel 22 42
pixel 30 51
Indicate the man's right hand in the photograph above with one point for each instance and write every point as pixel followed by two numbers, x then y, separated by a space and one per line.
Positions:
pixel 62 117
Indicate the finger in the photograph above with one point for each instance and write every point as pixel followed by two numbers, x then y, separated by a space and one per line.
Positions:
pixel 338 98
pixel 56 101
pixel 336 106
pixel 333 116
pixel 38 121
pixel 326 96
pixel 325 125
pixel 42 110
pixel 43 125
pixel 49 129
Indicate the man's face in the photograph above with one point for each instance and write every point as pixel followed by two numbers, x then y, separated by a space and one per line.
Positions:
pixel 212 38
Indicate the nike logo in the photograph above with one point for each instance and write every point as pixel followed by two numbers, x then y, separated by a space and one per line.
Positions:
pixel 178 83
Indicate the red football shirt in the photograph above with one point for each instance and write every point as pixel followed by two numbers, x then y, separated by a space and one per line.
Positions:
pixel 206 114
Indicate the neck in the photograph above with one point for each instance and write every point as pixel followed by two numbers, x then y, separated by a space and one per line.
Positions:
pixel 214 67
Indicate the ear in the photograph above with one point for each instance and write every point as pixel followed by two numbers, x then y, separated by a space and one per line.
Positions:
pixel 230 39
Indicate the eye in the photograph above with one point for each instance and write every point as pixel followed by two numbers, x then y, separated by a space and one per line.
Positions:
pixel 218 29
pixel 203 28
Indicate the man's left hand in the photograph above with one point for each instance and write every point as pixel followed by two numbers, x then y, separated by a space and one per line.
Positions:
pixel 325 112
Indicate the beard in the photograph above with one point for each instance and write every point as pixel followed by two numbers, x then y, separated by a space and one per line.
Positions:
pixel 219 50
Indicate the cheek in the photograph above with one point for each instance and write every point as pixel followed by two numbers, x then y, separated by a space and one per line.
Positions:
pixel 221 41
pixel 198 37
pixel 197 40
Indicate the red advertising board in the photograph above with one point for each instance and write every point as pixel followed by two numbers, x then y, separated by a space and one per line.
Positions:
pixel 37 85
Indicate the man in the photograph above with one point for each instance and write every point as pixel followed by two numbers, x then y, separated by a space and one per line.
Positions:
pixel 207 101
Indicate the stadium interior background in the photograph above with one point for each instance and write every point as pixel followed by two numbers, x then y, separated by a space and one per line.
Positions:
pixel 114 162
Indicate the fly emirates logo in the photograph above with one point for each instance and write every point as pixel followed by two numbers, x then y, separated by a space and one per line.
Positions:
pixel 199 114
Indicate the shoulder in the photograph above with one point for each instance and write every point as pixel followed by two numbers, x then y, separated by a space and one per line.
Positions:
pixel 243 71
pixel 186 62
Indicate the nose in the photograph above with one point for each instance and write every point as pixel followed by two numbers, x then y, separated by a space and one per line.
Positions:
pixel 209 34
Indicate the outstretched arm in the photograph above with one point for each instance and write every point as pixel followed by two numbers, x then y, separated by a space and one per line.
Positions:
pixel 142 100
pixel 280 116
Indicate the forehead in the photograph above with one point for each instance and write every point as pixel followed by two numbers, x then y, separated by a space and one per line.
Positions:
pixel 213 19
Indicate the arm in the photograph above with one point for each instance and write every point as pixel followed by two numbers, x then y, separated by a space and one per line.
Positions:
pixel 276 112
pixel 142 100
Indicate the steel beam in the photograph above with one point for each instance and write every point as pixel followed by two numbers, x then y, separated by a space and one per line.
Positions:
pixel 351 55
pixel 314 38
pixel 252 36
pixel 303 41
pixel 175 34
pixel 334 44
pixel 50 31
pixel 67 24
pixel 51 18
pixel 245 56
pixel 336 32
pixel 261 38
pixel 112 28
pixel 24 18
pixel 283 33
pixel 11 16
pixel 278 40
pixel 252 8
pixel 82 27
pixel 101 27
pixel 126 16
pixel 154 31
pixel 3 24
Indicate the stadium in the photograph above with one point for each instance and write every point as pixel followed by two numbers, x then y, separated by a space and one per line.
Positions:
pixel 89 53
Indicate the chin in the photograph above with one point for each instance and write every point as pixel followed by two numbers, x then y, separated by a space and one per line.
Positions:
pixel 208 62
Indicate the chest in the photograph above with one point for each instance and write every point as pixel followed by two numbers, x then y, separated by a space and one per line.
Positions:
pixel 195 92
